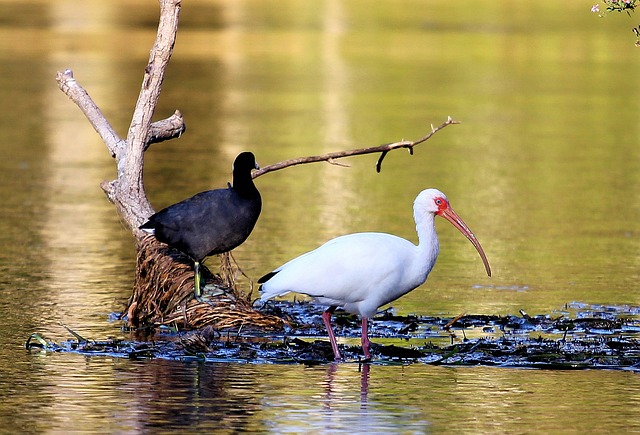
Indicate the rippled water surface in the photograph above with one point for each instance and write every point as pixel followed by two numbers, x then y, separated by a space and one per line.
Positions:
pixel 545 168
pixel 121 396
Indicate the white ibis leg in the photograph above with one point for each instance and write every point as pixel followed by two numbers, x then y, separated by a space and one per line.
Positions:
pixel 365 338
pixel 326 319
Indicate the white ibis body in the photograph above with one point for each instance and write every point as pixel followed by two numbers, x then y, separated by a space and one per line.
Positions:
pixel 363 271
pixel 211 222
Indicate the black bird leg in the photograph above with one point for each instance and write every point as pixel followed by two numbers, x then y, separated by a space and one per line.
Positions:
pixel 196 271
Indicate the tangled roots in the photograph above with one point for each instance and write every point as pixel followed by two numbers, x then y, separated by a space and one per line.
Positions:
pixel 163 294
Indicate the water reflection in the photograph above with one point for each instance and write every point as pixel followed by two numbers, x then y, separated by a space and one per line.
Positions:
pixel 120 396
pixel 99 394
pixel 334 404
pixel 82 254
pixel 157 396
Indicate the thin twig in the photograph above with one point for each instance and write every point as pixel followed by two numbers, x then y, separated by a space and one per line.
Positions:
pixel 454 320
pixel 330 157
pixel 78 337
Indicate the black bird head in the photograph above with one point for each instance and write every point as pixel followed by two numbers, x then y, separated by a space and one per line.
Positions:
pixel 242 180
pixel 244 163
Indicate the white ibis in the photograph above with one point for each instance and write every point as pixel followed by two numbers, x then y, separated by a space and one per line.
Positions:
pixel 361 272
pixel 211 222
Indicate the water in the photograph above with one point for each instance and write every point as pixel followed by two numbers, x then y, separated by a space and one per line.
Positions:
pixel 545 168
pixel 120 396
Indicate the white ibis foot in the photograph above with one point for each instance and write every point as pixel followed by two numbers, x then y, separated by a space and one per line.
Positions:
pixel 366 344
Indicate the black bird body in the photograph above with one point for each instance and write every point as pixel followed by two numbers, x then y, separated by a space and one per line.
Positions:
pixel 208 223
pixel 211 222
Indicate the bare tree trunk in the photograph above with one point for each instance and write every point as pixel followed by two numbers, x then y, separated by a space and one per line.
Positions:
pixel 163 291
pixel 164 278
pixel 127 191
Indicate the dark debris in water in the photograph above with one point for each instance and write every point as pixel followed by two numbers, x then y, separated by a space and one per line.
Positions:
pixel 580 336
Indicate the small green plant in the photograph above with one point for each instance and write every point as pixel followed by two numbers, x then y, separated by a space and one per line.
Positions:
pixel 627 6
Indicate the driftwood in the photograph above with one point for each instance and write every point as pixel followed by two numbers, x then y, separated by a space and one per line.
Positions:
pixel 163 289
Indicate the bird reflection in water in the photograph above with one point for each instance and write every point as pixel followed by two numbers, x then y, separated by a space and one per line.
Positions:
pixel 332 368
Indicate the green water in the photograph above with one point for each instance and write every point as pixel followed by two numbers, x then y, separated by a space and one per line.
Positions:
pixel 544 168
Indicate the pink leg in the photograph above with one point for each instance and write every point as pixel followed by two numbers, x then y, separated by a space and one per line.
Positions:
pixel 326 319
pixel 365 338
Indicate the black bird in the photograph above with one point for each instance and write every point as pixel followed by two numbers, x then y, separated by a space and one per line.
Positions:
pixel 211 222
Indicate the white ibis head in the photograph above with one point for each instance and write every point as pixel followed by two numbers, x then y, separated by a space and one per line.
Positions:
pixel 436 202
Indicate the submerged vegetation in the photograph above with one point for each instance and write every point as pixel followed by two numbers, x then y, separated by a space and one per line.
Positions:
pixel 579 336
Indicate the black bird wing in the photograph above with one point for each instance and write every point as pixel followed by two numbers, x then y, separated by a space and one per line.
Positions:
pixel 208 223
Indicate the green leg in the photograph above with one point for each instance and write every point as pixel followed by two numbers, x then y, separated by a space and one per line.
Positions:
pixel 198 291
pixel 196 270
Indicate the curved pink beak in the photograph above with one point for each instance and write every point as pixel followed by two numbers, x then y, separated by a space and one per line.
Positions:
pixel 450 215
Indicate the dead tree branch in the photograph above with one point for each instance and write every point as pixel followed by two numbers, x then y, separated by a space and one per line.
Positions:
pixel 163 278
pixel 127 191
pixel 331 157
pixel 166 129
pixel 68 84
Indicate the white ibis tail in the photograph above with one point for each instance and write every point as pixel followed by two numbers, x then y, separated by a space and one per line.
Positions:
pixel 363 271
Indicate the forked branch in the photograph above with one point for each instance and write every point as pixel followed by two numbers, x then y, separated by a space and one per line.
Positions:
pixel 165 129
